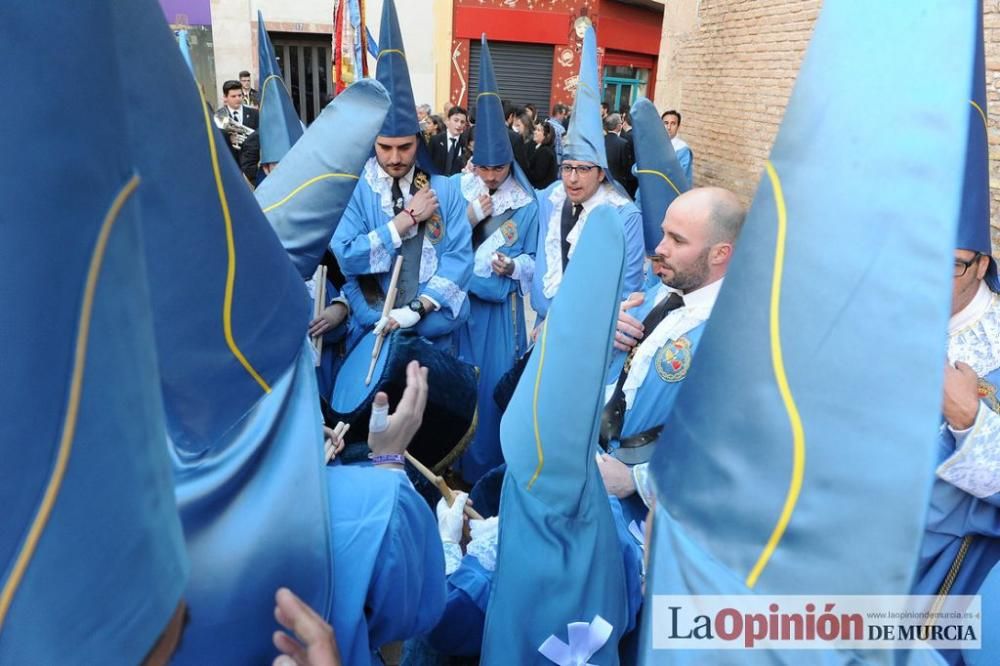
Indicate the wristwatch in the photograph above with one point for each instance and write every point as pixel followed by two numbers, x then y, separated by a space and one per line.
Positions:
pixel 417 306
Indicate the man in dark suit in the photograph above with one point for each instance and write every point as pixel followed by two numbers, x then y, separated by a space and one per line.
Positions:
pixel 619 153
pixel 448 147
pixel 237 112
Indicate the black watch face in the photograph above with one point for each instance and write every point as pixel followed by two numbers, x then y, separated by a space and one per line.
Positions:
pixel 417 306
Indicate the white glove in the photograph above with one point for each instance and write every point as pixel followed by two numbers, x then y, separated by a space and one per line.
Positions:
pixel 451 518
pixel 405 317
pixel 477 208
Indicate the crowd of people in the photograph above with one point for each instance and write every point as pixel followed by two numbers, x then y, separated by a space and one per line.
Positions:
pixel 501 315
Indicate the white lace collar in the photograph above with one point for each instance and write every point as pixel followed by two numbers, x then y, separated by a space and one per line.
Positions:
pixel 381 183
pixel 974 333
pixel 509 196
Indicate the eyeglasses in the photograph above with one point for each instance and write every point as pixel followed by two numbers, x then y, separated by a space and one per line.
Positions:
pixel 962 266
pixel 581 170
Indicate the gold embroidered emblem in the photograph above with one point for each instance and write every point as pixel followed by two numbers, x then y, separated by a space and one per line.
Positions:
pixel 509 231
pixel 673 360
pixel 988 394
pixel 435 228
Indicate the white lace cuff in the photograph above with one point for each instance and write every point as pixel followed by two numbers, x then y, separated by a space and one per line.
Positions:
pixel 452 557
pixel 483 545
pixel 396 240
pixel 524 271
pixel 640 476
pixel 452 296
pixel 378 256
pixel 975 465
pixel 343 301
pixel 482 261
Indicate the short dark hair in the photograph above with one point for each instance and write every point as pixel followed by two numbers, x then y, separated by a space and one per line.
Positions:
pixel 671 112
pixel 455 110
pixel 604 105
pixel 231 85
pixel 559 108
pixel 244 73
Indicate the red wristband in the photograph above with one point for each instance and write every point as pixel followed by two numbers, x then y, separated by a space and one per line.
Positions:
pixel 412 216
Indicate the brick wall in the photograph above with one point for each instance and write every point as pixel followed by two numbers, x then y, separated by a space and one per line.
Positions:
pixel 729 67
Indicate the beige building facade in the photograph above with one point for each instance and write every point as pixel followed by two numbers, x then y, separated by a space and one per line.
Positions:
pixel 729 67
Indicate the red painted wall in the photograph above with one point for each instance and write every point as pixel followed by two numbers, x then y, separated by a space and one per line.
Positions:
pixel 630 35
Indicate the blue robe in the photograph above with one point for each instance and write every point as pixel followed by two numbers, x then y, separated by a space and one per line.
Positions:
pixel 460 631
pixel 654 399
pixel 363 245
pixel 551 200
pixel 494 336
pixel 386 550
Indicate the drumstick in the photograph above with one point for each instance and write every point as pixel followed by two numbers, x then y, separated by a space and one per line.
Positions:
pixel 319 279
pixel 446 492
pixel 390 302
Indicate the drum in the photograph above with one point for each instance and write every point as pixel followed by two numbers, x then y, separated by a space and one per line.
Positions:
pixel 450 416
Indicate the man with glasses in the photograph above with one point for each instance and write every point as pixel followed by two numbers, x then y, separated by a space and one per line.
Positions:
pixel 962 537
pixel 586 183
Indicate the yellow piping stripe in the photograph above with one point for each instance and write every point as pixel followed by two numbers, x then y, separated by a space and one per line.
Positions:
pixel 307 184
pixel 661 175
pixel 534 408
pixel 982 114
pixel 72 406
pixel 263 90
pixel 385 51
pixel 798 434
pixel 487 93
pixel 227 304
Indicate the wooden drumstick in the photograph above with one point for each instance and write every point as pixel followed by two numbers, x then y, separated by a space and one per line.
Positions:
pixel 390 303
pixel 446 492
pixel 319 279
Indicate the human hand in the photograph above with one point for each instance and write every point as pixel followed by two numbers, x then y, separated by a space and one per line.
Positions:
pixel 629 331
pixel 451 519
pixel 316 644
pixel 398 318
pixel 502 264
pixel 617 476
pixel 409 414
pixel 333 439
pixel 423 204
pixel 961 395
pixel 331 317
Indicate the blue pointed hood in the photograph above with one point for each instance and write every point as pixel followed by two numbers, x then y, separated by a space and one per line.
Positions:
pixel 815 393
pixel 554 509
pixel 279 126
pixel 238 382
pixel 306 195
pixel 584 139
pixel 185 46
pixel 492 146
pixel 393 73
pixel 661 178
pixel 974 227
pixel 91 551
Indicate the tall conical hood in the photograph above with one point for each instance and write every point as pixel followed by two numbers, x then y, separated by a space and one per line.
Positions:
pixel 974 226
pixel 306 195
pixel 815 394
pixel 584 139
pixel 392 72
pixel 554 507
pixel 91 549
pixel 492 146
pixel 661 178
pixel 279 126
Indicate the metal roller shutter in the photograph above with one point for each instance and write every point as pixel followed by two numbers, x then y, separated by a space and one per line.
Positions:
pixel 523 71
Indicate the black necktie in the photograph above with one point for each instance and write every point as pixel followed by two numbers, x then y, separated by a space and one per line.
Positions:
pixel 236 118
pixel 397 197
pixel 452 154
pixel 570 215
pixel 613 415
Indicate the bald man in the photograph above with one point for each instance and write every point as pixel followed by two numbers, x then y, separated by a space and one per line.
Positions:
pixel 657 333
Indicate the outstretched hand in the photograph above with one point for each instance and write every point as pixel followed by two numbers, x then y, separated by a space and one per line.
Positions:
pixel 314 643
pixel 409 414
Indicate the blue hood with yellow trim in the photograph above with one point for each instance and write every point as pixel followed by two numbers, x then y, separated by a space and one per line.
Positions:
pixel 306 195
pixel 278 126
pixel 91 549
pixel 392 72
pixel 554 510
pixel 661 178
pixel 813 402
